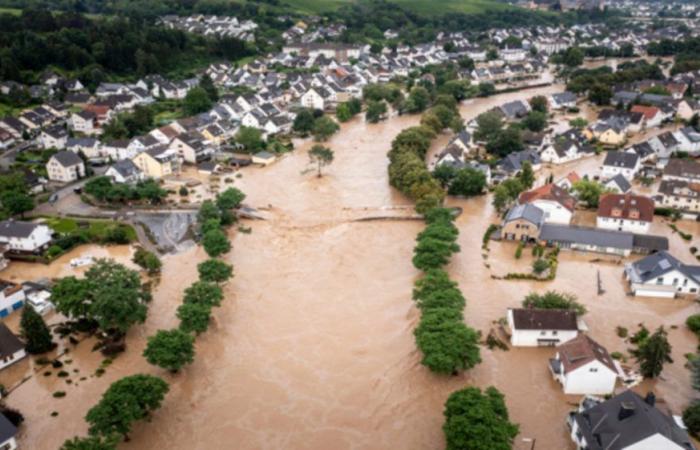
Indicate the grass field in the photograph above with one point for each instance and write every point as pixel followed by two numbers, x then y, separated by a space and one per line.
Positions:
pixel 418 6
pixel 13 11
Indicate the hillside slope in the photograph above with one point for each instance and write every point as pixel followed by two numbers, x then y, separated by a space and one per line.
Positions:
pixel 418 6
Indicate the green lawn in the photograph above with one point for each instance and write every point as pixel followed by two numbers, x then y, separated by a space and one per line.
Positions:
pixel 96 229
pixel 419 6
pixel 13 11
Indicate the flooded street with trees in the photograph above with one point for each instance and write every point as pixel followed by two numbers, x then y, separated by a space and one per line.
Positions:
pixel 313 347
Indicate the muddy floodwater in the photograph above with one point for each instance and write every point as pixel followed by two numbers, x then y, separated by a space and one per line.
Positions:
pixel 313 347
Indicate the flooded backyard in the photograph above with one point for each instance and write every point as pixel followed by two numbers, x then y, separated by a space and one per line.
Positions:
pixel 313 347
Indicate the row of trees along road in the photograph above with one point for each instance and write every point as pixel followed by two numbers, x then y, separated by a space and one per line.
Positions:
pixel 135 397
pixel 473 420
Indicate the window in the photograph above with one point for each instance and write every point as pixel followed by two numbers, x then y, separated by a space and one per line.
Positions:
pixel 554 333
pixel 542 333
pixel 660 280
pixel 593 369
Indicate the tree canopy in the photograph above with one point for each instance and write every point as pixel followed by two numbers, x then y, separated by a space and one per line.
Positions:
pixel 170 349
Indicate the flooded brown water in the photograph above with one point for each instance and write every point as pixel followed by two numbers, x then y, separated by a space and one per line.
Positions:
pixel 313 347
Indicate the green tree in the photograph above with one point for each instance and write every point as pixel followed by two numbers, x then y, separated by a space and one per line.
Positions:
pixel 554 300
pixel 376 110
pixel 354 105
pixel 693 323
pixel 194 317
pixel 433 253
pixel 147 260
pixel 445 173
pixel 653 353
pixel 320 156
pixel 589 192
pixel 478 421
pixel 231 198
pixel 208 211
pixel 535 121
pixel 447 344
pixel 117 300
pixel 573 57
pixel 127 400
pixel 196 101
pixel 35 333
pixel 250 138
pixel 695 373
pixel 468 182
pixel 324 127
pixel 71 297
pixel 506 142
pixel 527 175
pixel 216 243
pixel 540 265
pixel 206 83
pixel 304 121
pixel 418 100
pixel 539 103
pixel 489 125
pixel 691 418
pixel 90 443
pixel 15 202
pixel 170 349
pixel 486 89
pixel 343 113
pixel 204 293
pixel 600 94
pixel 215 271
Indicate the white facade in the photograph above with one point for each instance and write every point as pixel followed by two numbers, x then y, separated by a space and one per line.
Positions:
pixel 621 224
pixel 612 171
pixel 554 212
pixel 39 237
pixel 665 286
pixel 312 99
pixel 8 361
pixel 11 299
pixel 538 338
pixel 654 442
pixel 10 444
pixel 594 378
pixel 59 172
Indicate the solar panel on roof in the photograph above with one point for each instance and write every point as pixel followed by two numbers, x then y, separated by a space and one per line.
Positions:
pixel 664 264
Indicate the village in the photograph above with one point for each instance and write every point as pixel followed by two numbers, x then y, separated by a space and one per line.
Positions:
pixel 576 206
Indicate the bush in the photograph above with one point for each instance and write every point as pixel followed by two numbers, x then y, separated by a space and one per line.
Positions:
pixel 519 250
pixel 691 418
pixel 54 251
pixel 183 191
pixel 693 323
pixel 540 265
pixel 554 300
pixel 147 260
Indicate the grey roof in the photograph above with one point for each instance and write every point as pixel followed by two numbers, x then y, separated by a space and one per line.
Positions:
pixel 13 228
pixel 9 343
pixel 650 242
pixel 125 167
pixel 513 162
pixel 67 158
pixel 621 159
pixel 528 212
pixel 587 236
pixel 514 109
pixel 657 265
pixel 622 184
pixel 564 97
pixel 7 429
pixel 625 420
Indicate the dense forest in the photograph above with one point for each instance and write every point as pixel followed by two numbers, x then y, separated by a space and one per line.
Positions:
pixel 100 48
pixel 687 53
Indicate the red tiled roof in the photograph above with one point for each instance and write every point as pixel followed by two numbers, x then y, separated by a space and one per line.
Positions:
pixel 549 192
pixel 582 350
pixel 648 111
pixel 626 206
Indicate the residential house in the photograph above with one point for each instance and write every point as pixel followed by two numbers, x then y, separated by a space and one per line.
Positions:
pixel 662 275
pixel 619 243
pixel 512 164
pixel 681 195
pixel 522 223
pixel 24 237
pixel 611 132
pixel 582 366
pixel 569 180
pixel 620 163
pixel 627 422
pixel 463 140
pixel 682 170
pixel 192 147
pixel 562 100
pixel 687 108
pixel 541 327
pixel 264 158
pixel 7 430
pixel 157 162
pixel 556 203
pixel 11 297
pixel 625 212
pixel 564 150
pixel 516 109
pixel 452 155
pixel 124 171
pixel 314 98
pixel 652 115
pixel 11 351
pixel 54 137
pixel 85 122
pixel 65 166
pixel 618 184
pixel 90 147
pixel 7 140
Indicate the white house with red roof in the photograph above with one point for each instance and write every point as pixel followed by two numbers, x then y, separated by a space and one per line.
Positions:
pixel 584 367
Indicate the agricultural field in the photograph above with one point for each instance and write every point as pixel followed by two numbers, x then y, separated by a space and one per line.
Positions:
pixel 418 6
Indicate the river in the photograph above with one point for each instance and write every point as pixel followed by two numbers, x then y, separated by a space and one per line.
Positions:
pixel 313 347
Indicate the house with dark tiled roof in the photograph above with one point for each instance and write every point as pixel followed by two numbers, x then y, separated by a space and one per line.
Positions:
pixel 627 421
pixel 542 327
pixel 625 212
pixel 620 163
pixel 65 166
pixel 584 367
pixel 11 351
pixel 662 275
pixel 24 237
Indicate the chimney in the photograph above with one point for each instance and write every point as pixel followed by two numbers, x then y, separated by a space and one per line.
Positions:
pixel 650 399
pixel 626 410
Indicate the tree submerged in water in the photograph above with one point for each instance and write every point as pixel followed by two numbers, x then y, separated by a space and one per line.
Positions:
pixel 320 156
